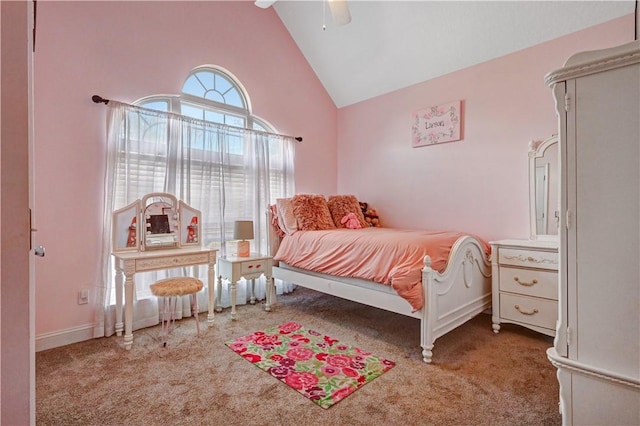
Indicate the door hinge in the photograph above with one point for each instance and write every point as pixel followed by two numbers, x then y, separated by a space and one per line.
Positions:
pixel 568 336
pixel 567 102
pixel 568 219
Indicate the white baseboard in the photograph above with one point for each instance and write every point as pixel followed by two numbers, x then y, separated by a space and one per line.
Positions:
pixel 64 337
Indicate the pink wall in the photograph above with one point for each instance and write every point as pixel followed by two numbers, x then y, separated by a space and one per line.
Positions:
pixel 125 51
pixel 479 184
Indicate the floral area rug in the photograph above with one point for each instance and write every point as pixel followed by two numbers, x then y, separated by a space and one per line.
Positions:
pixel 319 367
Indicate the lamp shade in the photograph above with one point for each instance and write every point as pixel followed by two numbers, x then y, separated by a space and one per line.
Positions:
pixel 243 230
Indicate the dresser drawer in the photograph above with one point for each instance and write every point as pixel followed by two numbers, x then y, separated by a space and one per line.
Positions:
pixel 150 264
pixel 529 310
pixel 254 266
pixel 530 282
pixel 528 258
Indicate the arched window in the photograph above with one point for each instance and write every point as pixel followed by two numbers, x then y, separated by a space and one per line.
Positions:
pixel 210 93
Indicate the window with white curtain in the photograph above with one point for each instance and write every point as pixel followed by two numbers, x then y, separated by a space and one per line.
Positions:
pixel 207 148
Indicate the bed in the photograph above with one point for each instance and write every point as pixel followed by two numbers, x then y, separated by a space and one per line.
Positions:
pixel 452 285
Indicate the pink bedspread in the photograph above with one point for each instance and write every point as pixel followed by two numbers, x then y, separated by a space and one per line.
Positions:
pixel 388 256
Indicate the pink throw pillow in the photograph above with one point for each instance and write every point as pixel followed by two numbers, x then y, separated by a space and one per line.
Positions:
pixel 311 212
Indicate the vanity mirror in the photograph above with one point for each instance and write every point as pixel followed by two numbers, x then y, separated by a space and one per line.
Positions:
pixel 543 189
pixel 160 222
pixel 157 221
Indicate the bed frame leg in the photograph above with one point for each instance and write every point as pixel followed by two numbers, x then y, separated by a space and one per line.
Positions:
pixel 427 353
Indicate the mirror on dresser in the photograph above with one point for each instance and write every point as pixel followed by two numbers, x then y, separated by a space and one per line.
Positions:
pixel 524 281
pixel 543 189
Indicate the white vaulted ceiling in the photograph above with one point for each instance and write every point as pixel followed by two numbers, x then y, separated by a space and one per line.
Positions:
pixel 390 44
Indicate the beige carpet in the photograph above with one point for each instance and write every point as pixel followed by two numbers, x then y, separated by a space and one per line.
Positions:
pixel 477 378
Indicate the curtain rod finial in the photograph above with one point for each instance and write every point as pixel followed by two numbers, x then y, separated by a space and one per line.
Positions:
pixel 298 138
pixel 98 99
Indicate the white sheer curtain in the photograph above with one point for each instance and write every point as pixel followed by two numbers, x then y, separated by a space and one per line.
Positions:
pixel 225 172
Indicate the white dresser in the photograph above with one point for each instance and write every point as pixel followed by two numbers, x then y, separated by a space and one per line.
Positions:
pixel 525 284
pixel 597 346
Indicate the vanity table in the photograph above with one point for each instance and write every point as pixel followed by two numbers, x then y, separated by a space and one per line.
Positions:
pixel 525 272
pixel 157 232
pixel 129 263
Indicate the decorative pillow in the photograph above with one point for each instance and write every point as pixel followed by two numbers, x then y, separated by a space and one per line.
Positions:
pixel 342 205
pixel 370 215
pixel 311 212
pixel 286 216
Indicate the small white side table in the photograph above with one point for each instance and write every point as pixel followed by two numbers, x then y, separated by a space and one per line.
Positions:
pixel 252 267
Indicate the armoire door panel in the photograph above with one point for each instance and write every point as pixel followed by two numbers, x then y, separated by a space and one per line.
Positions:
pixel 606 217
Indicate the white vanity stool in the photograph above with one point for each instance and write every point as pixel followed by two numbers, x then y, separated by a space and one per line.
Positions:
pixel 169 289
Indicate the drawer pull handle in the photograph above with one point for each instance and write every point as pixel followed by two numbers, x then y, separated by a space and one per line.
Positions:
pixel 530 259
pixel 258 265
pixel 524 283
pixel 250 266
pixel 532 312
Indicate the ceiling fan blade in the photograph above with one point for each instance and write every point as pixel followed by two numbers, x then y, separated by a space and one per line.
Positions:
pixel 264 3
pixel 340 12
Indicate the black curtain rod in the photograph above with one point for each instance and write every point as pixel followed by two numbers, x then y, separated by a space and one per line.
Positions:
pixel 100 100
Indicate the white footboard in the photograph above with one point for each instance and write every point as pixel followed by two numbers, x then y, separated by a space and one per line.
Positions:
pixel 455 296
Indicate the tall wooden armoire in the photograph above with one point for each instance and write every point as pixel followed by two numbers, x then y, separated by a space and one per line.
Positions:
pixel 597 344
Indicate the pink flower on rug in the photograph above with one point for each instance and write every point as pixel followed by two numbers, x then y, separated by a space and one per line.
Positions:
pixel 322 356
pixel 315 393
pixel 358 364
pixel 322 345
pixel 388 363
pixel 275 357
pixel 238 347
pixel 289 327
pixel 300 354
pixel 247 338
pixel 301 380
pixel 349 372
pixel 279 371
pixel 342 347
pixel 340 361
pixel 341 393
pixel 253 358
pixel 329 370
pixel 300 338
pixel 287 362
pixel 329 340
pixel 266 340
pixel 361 352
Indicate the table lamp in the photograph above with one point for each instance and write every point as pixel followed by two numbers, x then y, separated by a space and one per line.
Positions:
pixel 243 231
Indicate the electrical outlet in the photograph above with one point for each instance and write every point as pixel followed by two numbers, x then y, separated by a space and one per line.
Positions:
pixel 83 297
